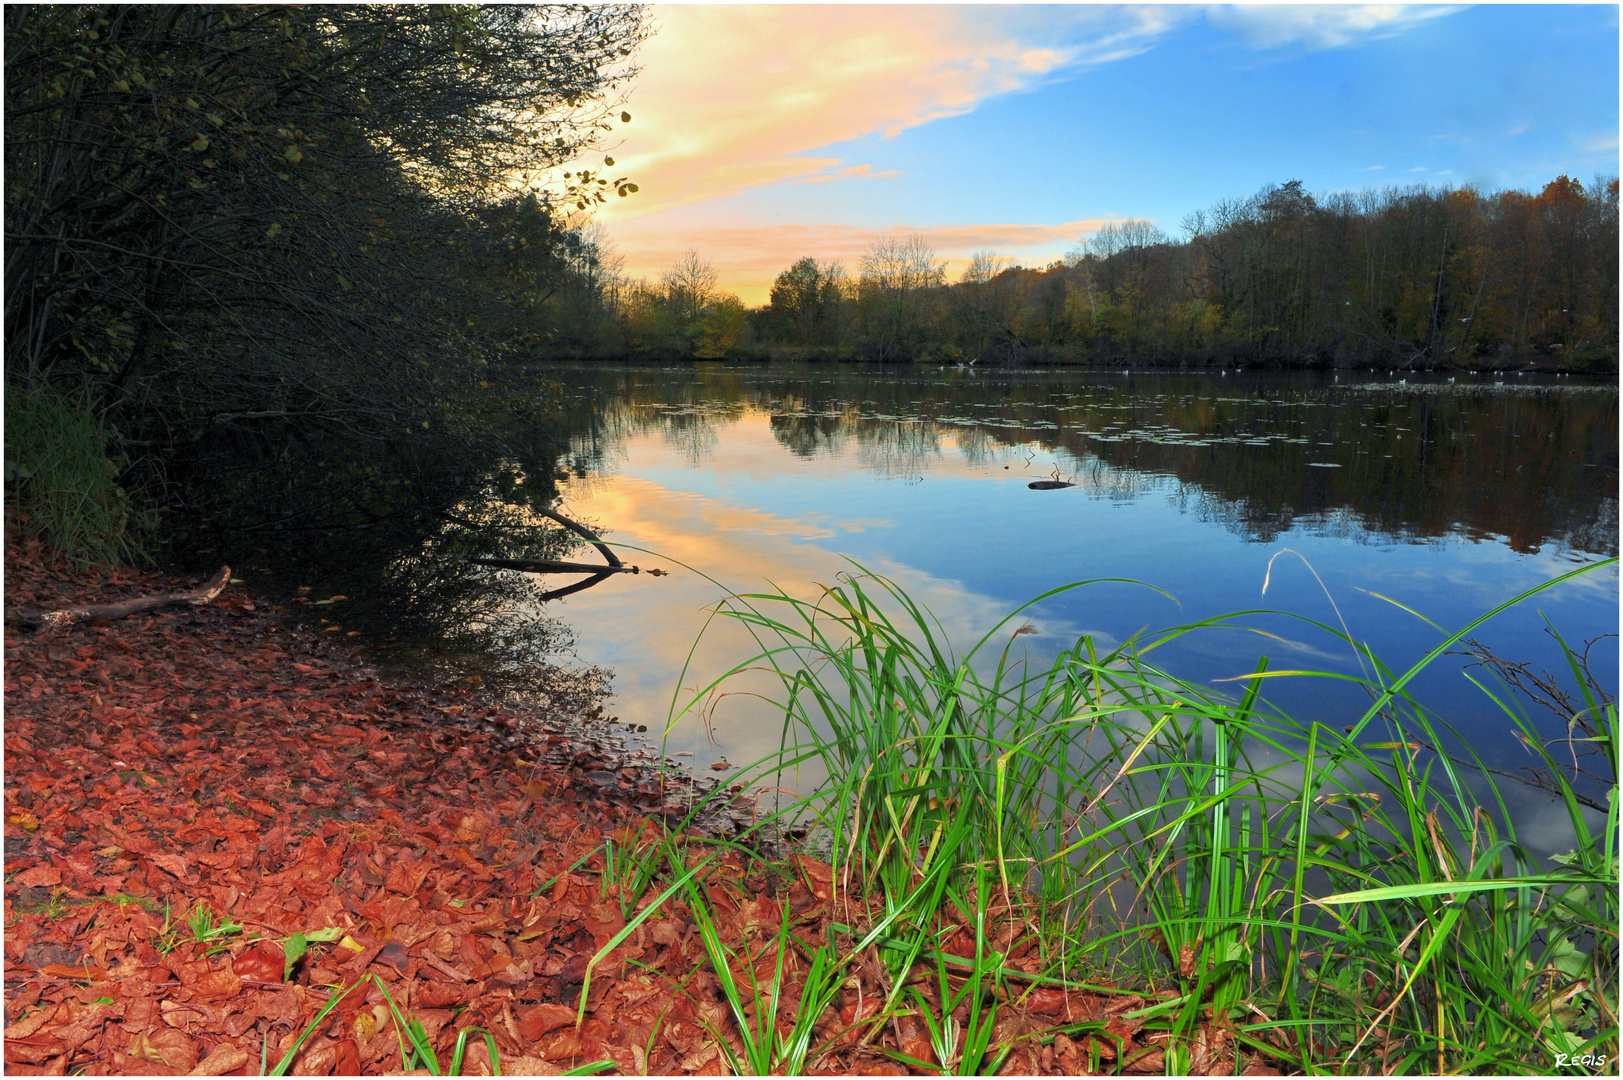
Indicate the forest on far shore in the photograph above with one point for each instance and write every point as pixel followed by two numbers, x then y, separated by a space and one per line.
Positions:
pixel 1417 278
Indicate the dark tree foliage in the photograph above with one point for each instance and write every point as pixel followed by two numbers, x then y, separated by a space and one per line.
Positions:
pixel 806 302
pixel 292 253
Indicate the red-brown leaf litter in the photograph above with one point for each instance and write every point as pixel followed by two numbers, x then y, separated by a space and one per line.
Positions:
pixel 172 775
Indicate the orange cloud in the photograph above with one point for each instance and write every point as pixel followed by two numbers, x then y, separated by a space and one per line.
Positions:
pixel 735 97
pixel 850 172
pixel 750 257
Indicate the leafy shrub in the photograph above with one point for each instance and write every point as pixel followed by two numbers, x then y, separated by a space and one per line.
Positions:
pixel 62 472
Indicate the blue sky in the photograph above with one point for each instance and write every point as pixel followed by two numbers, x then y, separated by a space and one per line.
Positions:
pixel 763 134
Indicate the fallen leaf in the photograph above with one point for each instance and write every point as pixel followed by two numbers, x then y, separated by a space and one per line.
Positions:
pixel 218 984
pixel 536 1022
pixel 167 1047
pixel 73 971
pixel 1048 1001
pixel 40 876
pixel 264 963
pixel 221 1060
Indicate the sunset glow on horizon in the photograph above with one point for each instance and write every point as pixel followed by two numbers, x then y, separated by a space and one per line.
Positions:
pixel 762 134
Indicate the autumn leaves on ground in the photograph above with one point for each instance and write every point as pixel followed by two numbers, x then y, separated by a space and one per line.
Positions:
pixel 216 823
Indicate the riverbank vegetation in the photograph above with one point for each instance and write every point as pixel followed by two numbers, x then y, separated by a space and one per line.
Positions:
pixel 1332 896
pixel 275 266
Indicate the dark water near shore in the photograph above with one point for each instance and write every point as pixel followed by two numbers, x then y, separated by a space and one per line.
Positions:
pixel 1446 496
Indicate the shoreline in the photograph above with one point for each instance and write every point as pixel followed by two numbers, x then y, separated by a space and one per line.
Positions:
pixel 212 812
pixel 1520 364
pixel 214 819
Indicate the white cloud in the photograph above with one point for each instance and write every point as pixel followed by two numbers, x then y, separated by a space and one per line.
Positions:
pixel 1273 26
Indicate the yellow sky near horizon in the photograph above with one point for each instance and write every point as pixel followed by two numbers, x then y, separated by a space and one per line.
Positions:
pixel 750 257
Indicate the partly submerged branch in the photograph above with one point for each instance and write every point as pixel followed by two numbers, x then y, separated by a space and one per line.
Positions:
pixel 556 566
pixel 582 531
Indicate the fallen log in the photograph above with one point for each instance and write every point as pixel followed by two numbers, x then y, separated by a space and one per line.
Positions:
pixel 123 609
pixel 1048 485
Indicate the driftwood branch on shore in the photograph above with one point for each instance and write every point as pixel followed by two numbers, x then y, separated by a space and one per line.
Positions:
pixel 124 608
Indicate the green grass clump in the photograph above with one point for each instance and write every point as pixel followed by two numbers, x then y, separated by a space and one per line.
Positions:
pixel 62 472
pixel 1333 897
pixel 206 931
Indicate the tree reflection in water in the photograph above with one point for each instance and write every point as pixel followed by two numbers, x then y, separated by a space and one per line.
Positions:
pixel 1530 464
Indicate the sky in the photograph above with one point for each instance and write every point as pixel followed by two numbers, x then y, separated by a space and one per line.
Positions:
pixel 761 134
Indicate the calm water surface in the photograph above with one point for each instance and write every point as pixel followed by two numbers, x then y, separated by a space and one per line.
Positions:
pixel 1446 497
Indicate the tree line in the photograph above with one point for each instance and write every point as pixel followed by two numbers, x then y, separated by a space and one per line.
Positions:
pixel 1418 277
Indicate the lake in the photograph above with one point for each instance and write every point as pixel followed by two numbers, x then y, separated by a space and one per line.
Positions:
pixel 1447 497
